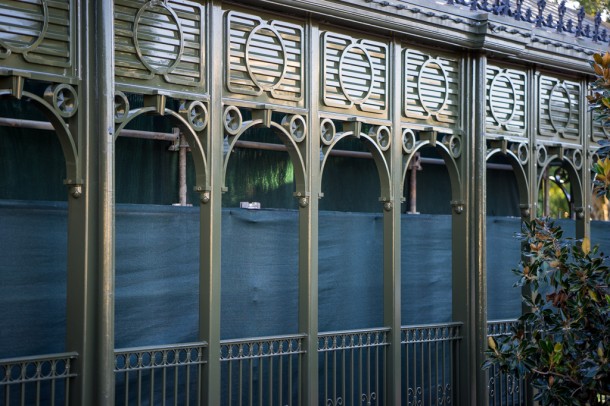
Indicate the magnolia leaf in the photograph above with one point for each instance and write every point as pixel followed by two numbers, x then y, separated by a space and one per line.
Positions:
pixel 586 245
pixel 606 59
pixel 598 69
pixel 492 343
pixel 598 58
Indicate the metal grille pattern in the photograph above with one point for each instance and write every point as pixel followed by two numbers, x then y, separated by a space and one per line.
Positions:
pixel 353 366
pixel 159 39
pixel 506 89
pixel 355 74
pixel 166 374
pixel 262 371
pixel 431 88
pixel 559 111
pixel 264 57
pixel 38 380
pixel 504 389
pixel 430 357
pixel 40 30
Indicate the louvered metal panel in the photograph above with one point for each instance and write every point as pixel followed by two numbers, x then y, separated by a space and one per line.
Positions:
pixel 558 114
pixel 506 102
pixel 598 132
pixel 355 73
pixel 158 44
pixel 431 88
pixel 38 32
pixel 264 58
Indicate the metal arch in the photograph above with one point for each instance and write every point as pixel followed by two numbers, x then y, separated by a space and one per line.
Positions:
pixel 452 168
pixel 380 161
pixel 296 158
pixel 199 159
pixel 64 135
pixel 518 170
pixel 575 180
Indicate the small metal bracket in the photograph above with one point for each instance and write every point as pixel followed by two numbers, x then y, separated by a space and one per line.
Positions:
pixel 303 198
pixel 500 143
pixel 580 212
pixel 10 79
pixel 428 134
pixel 558 150
pixel 388 204
pixel 262 112
pixel 525 210
pixel 353 124
pixel 204 195
pixel 75 187
pixel 156 100
pixel 458 206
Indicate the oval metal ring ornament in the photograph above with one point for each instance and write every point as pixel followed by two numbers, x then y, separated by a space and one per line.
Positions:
pixel 152 63
pixel 327 131
pixel 541 155
pixel 121 107
pixel 437 107
pixel 560 88
pixel 383 136
pixel 522 153
pixel 454 145
pixel 356 96
pixel 232 120
pixel 63 98
pixel 261 66
pixel 15 45
pixel 296 127
pixel 503 118
pixel 197 115
pixel 577 159
pixel 408 141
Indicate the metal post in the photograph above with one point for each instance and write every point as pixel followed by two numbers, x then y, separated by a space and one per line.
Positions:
pixel 308 232
pixel 210 218
pixel 391 240
pixel 182 147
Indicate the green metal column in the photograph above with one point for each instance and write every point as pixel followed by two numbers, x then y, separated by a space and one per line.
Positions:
pixel 468 239
pixel 583 214
pixel 210 216
pixel 391 238
pixel 308 227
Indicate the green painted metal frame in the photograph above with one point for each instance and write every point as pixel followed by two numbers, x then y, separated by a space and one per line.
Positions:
pixel 88 142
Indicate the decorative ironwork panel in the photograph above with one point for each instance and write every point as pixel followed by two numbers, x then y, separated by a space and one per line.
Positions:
pixel 355 74
pixel 558 115
pixel 506 101
pixel 430 358
pixel 262 371
pixel 431 92
pixel 38 380
pixel 599 132
pixel 38 32
pixel 160 44
pixel 264 58
pixel 156 375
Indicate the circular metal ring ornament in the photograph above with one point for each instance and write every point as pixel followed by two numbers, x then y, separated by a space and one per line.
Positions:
pixel 327 131
pixel 542 155
pixel 154 63
pixel 121 107
pixel 577 159
pixel 522 152
pixel 296 126
pixel 454 144
pixel 382 135
pixel 408 141
pixel 14 43
pixel 63 98
pixel 232 120
pixel 197 115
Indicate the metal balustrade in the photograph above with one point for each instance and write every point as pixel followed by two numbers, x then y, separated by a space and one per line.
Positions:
pixel 169 374
pixel 262 371
pixel 504 389
pixel 430 361
pixel 37 380
pixel 352 366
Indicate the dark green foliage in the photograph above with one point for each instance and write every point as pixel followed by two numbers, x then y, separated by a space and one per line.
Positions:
pixel 562 344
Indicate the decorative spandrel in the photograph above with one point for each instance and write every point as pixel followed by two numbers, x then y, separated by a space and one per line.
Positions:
pixel 160 44
pixel 37 35
pixel 264 58
pixel 559 113
pixel 355 74
pixel 431 89
pixel 506 102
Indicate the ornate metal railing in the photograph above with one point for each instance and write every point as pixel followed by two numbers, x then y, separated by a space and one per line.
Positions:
pixel 504 389
pixel 353 366
pixel 36 380
pixel 262 371
pixel 430 358
pixel 169 374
